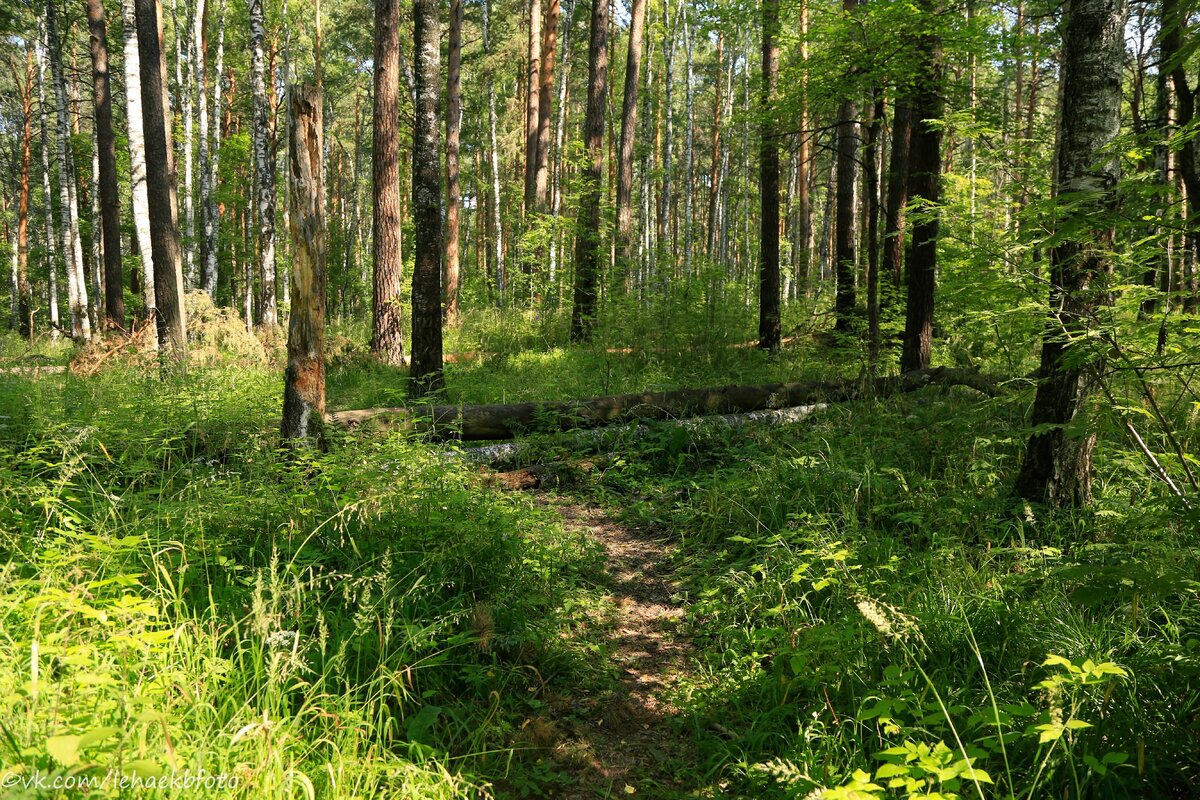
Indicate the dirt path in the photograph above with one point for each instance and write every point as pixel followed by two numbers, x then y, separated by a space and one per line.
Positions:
pixel 626 740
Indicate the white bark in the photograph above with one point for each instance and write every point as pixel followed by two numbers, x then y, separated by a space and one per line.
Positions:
pixel 137 153
pixel 199 71
pixel 263 163
pixel 183 82
pixel 212 219
pixel 564 78
pixel 81 329
pixel 689 147
pixel 95 310
pixel 48 210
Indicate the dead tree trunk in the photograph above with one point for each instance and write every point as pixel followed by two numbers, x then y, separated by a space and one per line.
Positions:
pixel 304 381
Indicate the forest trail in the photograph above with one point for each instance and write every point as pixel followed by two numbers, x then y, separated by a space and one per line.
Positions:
pixel 626 739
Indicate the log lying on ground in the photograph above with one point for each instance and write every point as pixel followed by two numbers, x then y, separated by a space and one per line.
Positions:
pixel 482 422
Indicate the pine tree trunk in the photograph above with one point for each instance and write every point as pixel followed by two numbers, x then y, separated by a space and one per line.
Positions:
pixel 425 372
pixel 161 183
pixel 81 329
pixel 494 150
pixel 304 380
pixel 768 254
pixel 1174 35
pixel 532 96
pixel 845 256
pixel 550 23
pixel 587 242
pixel 387 329
pixel 453 125
pixel 110 201
pixel 264 165
pixel 633 65
pixel 1057 464
pixel 924 183
pixel 689 155
pixel 802 241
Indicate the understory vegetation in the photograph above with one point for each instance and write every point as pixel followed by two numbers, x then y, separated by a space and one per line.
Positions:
pixel 873 613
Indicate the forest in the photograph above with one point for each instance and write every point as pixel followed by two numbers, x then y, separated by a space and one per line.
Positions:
pixel 600 398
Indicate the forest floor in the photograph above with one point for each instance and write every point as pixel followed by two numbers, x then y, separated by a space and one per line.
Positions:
pixel 627 740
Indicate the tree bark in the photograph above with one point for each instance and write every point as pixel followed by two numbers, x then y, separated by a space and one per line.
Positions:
pixel 304 381
pixel 23 299
pixel 1057 464
pixel 545 100
pixel 897 193
pixel 140 204
pixel 425 372
pixel 768 260
pixel 1174 57
pixel 81 329
pixel 925 181
pixel 510 420
pixel 845 234
pixel 387 325
pixel 453 125
pixel 714 171
pixel 494 155
pixel 47 206
pixel 871 164
pixel 212 213
pixel 633 64
pixel 264 165
pixel 110 201
pixel 532 97
pixel 587 242
pixel 161 184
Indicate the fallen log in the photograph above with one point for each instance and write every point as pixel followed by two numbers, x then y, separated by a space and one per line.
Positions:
pixel 481 422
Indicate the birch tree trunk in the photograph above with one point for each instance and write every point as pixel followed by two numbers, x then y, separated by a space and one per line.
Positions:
pixel 110 201
pixel 714 173
pixel 81 329
pixel 47 207
pixel 453 125
pixel 387 326
pixel 137 153
pixel 264 165
pixel 564 85
pixel 304 380
pixel 1057 465
pixel 768 265
pixel 689 156
pixel 587 242
pixel 845 256
pixel 199 59
pixel 161 184
pixel 23 294
pixel 425 371
pixel 183 82
pixel 633 64
pixel 212 217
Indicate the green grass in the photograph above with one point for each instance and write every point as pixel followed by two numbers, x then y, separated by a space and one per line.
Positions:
pixel 176 594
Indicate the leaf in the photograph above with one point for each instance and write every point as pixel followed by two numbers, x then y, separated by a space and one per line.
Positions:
pixel 64 749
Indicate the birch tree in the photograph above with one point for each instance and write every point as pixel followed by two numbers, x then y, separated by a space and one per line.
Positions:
pixel 139 204
pixel 264 165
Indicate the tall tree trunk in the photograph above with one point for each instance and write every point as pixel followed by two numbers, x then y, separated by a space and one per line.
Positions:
pixel 1057 464
pixel 212 215
pixel 304 380
pixel 925 179
pixel 425 373
pixel 23 299
pixel 587 241
pixel 714 172
pixel 183 88
pixel 1174 35
pixel 633 64
pixel 845 256
pixel 559 170
pixel 532 97
pixel 871 166
pixel 199 58
pixel 689 156
pixel 768 254
pixel 110 201
pixel 387 328
pixel 50 231
pixel 140 205
pixel 453 124
pixel 668 176
pixel 545 99
pixel 494 150
pixel 264 164
pixel 81 329
pixel 802 241
pixel 161 184
pixel 897 193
